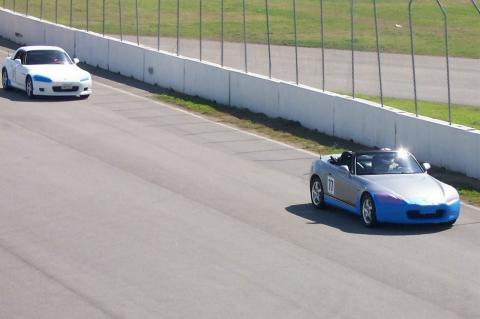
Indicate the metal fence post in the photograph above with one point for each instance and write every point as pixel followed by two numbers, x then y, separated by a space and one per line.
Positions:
pixel 158 24
pixel 178 25
pixel 136 21
pixel 476 6
pixel 200 35
pixel 86 4
pixel 103 18
pixel 445 22
pixel 41 9
pixel 120 18
pixel 56 11
pixel 26 8
pixel 352 33
pixel 323 46
pixel 295 39
pixel 14 6
pixel 245 36
pixel 412 51
pixel 268 41
pixel 222 35
pixel 445 25
pixel 378 52
pixel 71 13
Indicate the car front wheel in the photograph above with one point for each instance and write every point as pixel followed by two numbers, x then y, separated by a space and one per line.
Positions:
pixel 450 222
pixel 5 81
pixel 367 208
pixel 316 193
pixel 29 88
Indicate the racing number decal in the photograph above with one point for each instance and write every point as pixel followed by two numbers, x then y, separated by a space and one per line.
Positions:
pixel 331 185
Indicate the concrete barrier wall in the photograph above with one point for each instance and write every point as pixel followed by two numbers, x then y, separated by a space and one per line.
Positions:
pixel 453 147
pixel 207 80
pixel 164 70
pixel 31 30
pixel 257 93
pixel 60 36
pixel 4 25
pixel 92 49
pixel 314 109
pixel 126 58
pixel 21 29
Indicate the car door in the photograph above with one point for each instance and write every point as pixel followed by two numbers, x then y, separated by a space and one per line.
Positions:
pixel 19 70
pixel 342 185
pixel 9 66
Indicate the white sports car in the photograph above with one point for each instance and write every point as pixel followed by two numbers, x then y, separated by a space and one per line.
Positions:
pixel 45 70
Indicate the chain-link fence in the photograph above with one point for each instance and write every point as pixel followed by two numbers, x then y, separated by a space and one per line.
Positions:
pixel 364 48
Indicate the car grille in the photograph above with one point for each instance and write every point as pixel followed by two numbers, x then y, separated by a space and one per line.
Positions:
pixel 59 89
pixel 415 214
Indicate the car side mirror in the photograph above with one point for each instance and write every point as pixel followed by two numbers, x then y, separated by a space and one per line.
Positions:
pixel 426 166
pixel 18 61
pixel 76 61
pixel 345 168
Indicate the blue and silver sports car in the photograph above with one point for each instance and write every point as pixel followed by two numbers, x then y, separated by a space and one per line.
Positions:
pixel 383 186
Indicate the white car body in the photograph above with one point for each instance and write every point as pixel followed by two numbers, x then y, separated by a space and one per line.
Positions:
pixel 47 79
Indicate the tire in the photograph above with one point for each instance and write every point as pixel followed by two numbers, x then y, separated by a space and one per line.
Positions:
pixel 367 211
pixel 29 88
pixel 316 193
pixel 450 223
pixel 5 80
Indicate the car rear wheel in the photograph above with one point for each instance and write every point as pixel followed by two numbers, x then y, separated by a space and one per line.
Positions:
pixel 316 193
pixel 5 81
pixel 29 88
pixel 367 208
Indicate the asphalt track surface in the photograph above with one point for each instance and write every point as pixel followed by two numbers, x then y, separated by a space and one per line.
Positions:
pixel 123 207
pixel 396 69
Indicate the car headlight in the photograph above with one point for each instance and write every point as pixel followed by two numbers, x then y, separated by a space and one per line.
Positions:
pixel 41 78
pixel 388 199
pixel 85 78
pixel 451 195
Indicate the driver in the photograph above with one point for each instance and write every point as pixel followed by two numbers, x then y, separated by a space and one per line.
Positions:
pixel 55 57
pixel 345 159
pixel 381 164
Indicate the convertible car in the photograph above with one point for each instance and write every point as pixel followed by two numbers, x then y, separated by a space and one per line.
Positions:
pixel 383 186
pixel 45 70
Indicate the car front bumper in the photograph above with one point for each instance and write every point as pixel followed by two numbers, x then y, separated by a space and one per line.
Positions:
pixel 62 88
pixel 407 213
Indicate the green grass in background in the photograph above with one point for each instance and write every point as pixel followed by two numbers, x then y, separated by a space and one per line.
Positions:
pixel 461 114
pixel 464 22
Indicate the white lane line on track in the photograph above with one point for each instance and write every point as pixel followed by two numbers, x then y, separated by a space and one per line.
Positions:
pixel 221 124
pixel 198 116
pixel 471 206
pixel 206 119
pixel 227 126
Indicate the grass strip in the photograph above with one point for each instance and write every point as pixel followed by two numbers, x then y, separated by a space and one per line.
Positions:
pixel 293 133
pixel 461 114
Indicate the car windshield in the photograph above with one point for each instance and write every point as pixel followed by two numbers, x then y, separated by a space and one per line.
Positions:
pixel 47 57
pixel 391 162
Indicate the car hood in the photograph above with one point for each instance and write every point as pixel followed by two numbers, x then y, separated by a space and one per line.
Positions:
pixel 58 72
pixel 413 188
